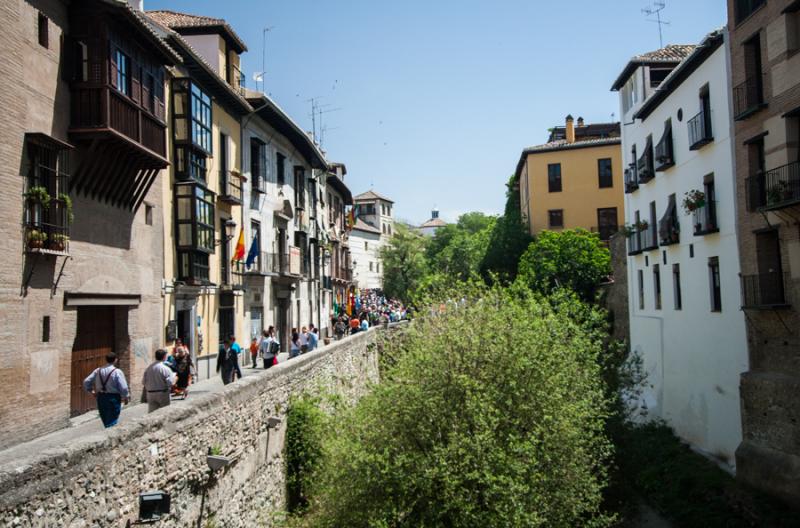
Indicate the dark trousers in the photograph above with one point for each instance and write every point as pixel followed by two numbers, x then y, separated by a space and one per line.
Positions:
pixel 109 406
pixel 254 358
pixel 267 363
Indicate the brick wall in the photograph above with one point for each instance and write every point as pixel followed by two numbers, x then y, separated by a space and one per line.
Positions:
pixel 95 480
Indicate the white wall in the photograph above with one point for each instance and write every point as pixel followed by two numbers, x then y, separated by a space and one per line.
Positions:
pixel 208 47
pixel 693 356
pixel 364 256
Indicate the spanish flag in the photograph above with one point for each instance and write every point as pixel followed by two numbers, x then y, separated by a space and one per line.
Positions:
pixel 238 253
pixel 351 218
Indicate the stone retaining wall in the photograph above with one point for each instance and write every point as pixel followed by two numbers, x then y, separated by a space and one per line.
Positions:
pixel 95 481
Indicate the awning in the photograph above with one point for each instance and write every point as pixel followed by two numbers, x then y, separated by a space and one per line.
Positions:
pixel 101 299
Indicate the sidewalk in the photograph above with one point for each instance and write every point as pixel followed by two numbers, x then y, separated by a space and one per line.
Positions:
pixel 88 425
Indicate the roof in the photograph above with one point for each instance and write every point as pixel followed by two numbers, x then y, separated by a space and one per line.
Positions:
pixel 338 185
pixel 371 195
pixel 146 29
pixel 555 146
pixel 188 24
pixel 671 54
pixel 200 70
pixel 701 52
pixel 434 222
pixel 363 226
pixel 272 114
pixel 591 131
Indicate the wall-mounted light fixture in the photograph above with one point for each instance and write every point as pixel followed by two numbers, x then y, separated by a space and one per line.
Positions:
pixel 230 231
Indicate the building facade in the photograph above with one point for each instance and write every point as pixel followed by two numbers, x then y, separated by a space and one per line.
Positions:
pixel 683 264
pixel 430 226
pixel 84 145
pixel 765 66
pixel 373 228
pixel 573 180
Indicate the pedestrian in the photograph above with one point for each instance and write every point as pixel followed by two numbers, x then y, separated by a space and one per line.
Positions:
pixel 355 326
pixel 339 328
pixel 313 337
pixel 227 362
pixel 184 368
pixel 303 339
pixel 109 388
pixel 364 325
pixel 269 347
pixel 238 352
pixel 254 353
pixel 295 349
pixel 157 382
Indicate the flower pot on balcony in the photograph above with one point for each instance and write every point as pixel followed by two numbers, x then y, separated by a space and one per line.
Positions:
pixel 36 239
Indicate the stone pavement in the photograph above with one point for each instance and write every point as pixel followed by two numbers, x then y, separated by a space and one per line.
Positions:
pixel 88 424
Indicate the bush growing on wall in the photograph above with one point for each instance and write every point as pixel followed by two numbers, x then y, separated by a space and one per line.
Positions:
pixel 305 428
pixel 492 415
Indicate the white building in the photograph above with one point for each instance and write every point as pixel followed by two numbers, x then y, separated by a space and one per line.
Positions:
pixel 685 317
pixel 374 227
pixel 284 206
pixel 430 226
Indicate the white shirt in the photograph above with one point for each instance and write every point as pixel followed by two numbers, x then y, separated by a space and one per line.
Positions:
pixel 158 377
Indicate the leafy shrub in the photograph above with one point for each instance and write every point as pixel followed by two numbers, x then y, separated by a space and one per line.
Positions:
pixel 305 427
pixel 492 415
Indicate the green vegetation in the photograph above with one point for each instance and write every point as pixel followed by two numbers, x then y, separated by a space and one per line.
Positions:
pixel 404 265
pixel 305 428
pixel 493 414
pixel 508 240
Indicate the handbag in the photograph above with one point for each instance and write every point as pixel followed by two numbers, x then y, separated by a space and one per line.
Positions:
pixel 274 360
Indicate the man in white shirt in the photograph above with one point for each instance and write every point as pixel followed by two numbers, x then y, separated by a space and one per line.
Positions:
pixel 303 339
pixel 157 382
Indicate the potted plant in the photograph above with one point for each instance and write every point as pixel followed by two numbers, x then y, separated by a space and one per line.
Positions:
pixel 38 194
pixel 36 239
pixel 641 225
pixel 215 460
pixel 693 200
pixel 58 242
pixel 628 230
pixel 64 197
pixel 779 192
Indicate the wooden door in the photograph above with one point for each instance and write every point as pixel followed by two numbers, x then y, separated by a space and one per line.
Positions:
pixel 94 339
pixel 770 272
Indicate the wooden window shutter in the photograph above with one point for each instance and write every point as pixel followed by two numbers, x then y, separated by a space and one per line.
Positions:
pixel 136 83
pixel 112 71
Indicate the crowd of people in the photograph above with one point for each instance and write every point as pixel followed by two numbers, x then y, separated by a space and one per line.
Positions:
pixel 170 375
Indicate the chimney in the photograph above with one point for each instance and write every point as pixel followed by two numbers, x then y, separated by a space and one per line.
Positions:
pixel 138 5
pixel 580 121
pixel 570 130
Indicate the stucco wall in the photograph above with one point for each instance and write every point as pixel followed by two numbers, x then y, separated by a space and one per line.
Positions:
pixel 95 480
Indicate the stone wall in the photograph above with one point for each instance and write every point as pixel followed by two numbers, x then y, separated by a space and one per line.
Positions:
pixel 615 292
pixel 95 481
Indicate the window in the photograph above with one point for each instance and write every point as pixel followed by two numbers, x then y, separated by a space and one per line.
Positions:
pixel 657 285
pixel 714 283
pixel 123 63
pixel 258 165
pixel 366 246
pixel 44 31
pixel 604 173
pixel 705 217
pixel 194 229
pixel 280 168
pixel 657 76
pixel 640 276
pixel 607 222
pixel 377 267
pixel 793 28
pixel 299 187
pixel 191 115
pixel 226 315
pixel 745 8
pixel 389 228
pixel 383 228
pixel 370 266
pixel 630 92
pixel 81 57
pixel 555 218
pixel 47 224
pixel 46 329
pixel 223 164
pixel 554 177
pixel 676 286
pixel 148 214
pixel 149 89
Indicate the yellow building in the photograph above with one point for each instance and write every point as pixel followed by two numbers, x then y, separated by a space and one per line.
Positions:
pixel 202 198
pixel 573 180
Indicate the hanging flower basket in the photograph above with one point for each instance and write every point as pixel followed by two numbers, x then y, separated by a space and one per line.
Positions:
pixel 693 200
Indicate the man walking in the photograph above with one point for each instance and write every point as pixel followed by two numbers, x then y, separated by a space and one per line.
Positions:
pixel 227 362
pixel 313 337
pixel 110 388
pixel 157 382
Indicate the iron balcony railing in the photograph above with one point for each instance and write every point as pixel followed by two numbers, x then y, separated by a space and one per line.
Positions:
pixel 764 290
pixel 264 263
pixel 649 238
pixel 775 189
pixel 47 226
pixel 669 230
pixel 664 152
pixel 748 96
pixel 230 187
pixel 704 219
pixel 631 182
pixel 635 244
pixel 645 166
pixel 699 130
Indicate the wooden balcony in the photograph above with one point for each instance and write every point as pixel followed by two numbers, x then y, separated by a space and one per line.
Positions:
pixel 230 187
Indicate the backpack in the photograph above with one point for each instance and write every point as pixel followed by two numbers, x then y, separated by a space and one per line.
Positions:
pixel 274 348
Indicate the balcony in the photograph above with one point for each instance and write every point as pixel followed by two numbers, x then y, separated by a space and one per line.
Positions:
pixel 230 187
pixel 704 219
pixel 669 231
pixel 649 238
pixel 634 244
pixel 631 182
pixel 774 189
pixel 103 111
pixel 665 157
pixel 764 291
pixel 645 166
pixel 748 97
pixel 47 238
pixel 699 131
pixel 264 264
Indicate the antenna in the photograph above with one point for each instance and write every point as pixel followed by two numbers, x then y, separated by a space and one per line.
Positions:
pixel 259 76
pixel 656 9
pixel 317 111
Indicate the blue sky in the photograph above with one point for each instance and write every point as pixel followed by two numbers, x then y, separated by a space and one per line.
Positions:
pixel 438 98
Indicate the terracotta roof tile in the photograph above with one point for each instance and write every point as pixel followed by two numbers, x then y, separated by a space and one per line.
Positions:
pixel 371 195
pixel 177 21
pixel 669 53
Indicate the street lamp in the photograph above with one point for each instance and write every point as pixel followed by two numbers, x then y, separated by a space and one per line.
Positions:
pixel 230 231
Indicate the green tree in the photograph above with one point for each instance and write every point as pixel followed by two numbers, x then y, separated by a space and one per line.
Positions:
pixel 404 264
pixel 575 259
pixel 492 415
pixel 508 240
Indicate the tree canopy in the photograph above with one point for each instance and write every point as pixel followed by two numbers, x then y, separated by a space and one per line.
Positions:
pixel 404 264
pixel 508 239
